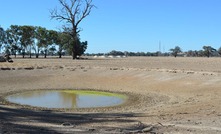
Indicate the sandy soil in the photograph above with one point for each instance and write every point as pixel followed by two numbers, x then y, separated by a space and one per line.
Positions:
pixel 168 95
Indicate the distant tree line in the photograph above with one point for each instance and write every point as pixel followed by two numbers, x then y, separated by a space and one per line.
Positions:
pixel 36 40
pixel 207 51
pixel 31 41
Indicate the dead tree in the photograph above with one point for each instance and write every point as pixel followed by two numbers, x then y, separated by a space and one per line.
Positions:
pixel 73 12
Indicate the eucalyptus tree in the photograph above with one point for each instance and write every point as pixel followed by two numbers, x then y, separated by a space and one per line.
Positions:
pixel 80 47
pixel 219 51
pixel 208 50
pixel 63 41
pixel 41 39
pixel 13 37
pixel 175 51
pixel 51 38
pixel 27 38
pixel 73 12
pixel 2 37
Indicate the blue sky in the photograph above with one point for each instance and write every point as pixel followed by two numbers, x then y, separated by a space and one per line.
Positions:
pixel 130 25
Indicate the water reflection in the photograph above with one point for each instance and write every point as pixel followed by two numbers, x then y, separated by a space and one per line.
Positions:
pixel 62 99
pixel 67 98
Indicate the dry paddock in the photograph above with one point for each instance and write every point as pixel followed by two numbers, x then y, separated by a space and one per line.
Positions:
pixel 167 95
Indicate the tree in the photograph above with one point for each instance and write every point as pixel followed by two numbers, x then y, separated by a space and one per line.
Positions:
pixel 41 36
pixel 73 13
pixel 219 51
pixel 52 50
pixel 80 47
pixel 208 50
pixel 12 35
pixel 45 38
pixel 2 37
pixel 27 38
pixel 63 41
pixel 175 51
pixel 50 39
pixel 192 53
pixel 116 53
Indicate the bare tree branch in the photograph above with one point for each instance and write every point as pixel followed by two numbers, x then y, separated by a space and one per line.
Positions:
pixel 86 11
pixel 55 15
pixel 73 13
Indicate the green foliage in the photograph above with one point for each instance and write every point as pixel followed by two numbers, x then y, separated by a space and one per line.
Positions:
pixel 79 47
pixel 44 38
pixel 63 41
pixel 27 38
pixel 41 36
pixel 82 48
pixel 175 51
pixel 208 50
pixel 13 37
pixel 52 50
pixel 2 37
pixel 116 53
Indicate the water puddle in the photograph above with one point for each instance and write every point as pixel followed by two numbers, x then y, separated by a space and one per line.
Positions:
pixel 67 99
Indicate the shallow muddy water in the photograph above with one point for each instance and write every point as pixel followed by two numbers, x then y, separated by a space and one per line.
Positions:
pixel 67 99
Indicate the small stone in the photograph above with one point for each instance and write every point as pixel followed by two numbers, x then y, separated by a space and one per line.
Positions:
pixel 91 129
pixel 66 124
pixel 147 129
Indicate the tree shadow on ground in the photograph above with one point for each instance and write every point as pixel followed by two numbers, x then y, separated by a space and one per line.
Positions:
pixel 14 120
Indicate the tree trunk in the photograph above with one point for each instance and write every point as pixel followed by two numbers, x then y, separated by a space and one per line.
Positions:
pixel 37 53
pixel 60 54
pixel 74 49
pixel 23 54
pixel 30 53
pixel 74 56
pixel 45 54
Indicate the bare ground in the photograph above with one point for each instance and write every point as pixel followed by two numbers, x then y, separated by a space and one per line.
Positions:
pixel 167 95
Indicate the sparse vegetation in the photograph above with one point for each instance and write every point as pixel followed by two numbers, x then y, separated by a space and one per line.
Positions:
pixel 207 51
